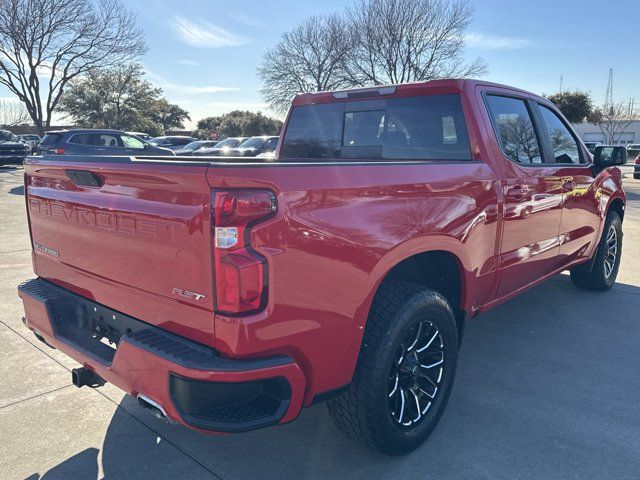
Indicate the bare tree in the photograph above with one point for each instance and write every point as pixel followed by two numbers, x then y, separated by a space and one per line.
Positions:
pixel 375 42
pixel 519 140
pixel 12 113
pixel 613 120
pixel 310 57
pixel 398 41
pixel 44 44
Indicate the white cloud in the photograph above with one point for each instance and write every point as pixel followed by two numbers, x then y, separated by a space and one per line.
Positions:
pixel 190 63
pixel 167 85
pixel 204 34
pixel 247 21
pixel 229 106
pixel 495 42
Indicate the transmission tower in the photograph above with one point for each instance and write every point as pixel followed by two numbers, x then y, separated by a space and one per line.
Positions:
pixel 608 101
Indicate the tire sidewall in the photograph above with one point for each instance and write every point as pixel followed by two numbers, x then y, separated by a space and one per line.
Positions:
pixel 612 219
pixel 421 306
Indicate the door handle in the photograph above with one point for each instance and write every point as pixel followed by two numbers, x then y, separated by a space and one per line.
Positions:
pixel 84 178
pixel 568 185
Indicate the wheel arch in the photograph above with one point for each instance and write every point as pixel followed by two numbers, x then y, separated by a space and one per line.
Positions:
pixel 616 204
pixel 440 269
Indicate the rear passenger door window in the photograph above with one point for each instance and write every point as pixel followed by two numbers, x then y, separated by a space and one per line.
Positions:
pixel 514 129
pixel 563 143
pixel 108 140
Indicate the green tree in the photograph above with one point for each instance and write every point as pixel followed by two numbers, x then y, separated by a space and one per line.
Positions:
pixel 120 98
pixel 576 105
pixel 240 123
pixel 168 115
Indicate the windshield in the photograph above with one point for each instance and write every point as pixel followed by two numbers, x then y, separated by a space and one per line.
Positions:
pixel 192 146
pixel 255 142
pixel 229 142
pixel 7 136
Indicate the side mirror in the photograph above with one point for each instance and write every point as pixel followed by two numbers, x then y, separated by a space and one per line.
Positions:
pixel 605 156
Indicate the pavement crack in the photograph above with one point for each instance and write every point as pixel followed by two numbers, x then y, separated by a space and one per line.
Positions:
pixel 34 396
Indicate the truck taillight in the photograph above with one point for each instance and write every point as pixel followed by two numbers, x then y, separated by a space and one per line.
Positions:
pixel 240 272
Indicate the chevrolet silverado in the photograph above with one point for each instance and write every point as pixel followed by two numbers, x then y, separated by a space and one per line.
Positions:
pixel 226 294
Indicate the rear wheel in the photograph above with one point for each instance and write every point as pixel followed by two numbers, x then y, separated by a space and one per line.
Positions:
pixel 601 273
pixel 405 370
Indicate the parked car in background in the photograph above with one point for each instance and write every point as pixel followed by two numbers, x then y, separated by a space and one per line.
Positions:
pixel 173 142
pixel 591 146
pixel 97 142
pixel 636 168
pixel 144 136
pixel 191 148
pixel 633 150
pixel 31 140
pixel 222 148
pixel 254 146
pixel 267 155
pixel 12 150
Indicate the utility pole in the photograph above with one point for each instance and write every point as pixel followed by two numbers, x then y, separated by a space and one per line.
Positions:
pixel 561 83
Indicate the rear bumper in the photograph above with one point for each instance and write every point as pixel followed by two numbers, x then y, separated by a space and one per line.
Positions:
pixel 193 384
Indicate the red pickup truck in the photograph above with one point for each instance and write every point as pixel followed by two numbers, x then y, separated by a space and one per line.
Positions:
pixel 228 294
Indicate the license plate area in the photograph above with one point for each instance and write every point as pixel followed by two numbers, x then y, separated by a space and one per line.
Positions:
pixel 91 327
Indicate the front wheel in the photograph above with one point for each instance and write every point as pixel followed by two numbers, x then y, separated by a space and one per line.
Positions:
pixel 405 370
pixel 601 273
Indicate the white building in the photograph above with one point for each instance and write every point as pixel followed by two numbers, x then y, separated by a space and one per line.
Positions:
pixel 592 133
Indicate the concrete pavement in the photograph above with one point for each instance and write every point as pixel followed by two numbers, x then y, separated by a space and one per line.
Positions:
pixel 547 388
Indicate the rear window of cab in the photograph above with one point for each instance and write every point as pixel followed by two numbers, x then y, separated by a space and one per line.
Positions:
pixel 407 128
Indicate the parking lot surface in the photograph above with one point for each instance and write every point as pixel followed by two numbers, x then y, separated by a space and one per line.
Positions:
pixel 547 387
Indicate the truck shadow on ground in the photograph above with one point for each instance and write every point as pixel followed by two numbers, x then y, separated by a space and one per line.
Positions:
pixel 542 391
pixel 19 190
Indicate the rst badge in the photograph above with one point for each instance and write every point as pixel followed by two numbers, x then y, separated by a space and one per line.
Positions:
pixel 187 294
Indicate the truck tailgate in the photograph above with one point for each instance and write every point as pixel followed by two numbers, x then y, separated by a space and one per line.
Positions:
pixel 135 237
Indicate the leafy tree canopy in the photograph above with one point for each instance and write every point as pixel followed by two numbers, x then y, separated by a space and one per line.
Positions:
pixel 121 98
pixel 576 105
pixel 240 124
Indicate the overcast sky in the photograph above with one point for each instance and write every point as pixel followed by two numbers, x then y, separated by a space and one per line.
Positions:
pixel 204 53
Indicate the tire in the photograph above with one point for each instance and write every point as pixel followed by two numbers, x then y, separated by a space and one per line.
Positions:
pixel 405 319
pixel 636 176
pixel 601 273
